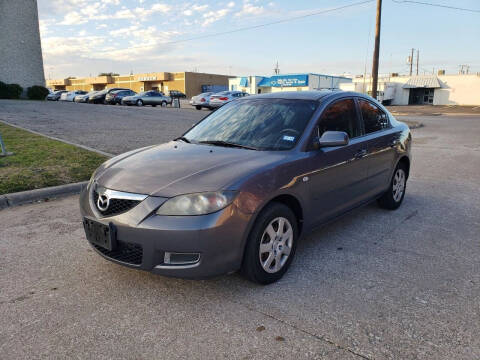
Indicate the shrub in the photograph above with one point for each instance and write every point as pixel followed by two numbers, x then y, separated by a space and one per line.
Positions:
pixel 10 91
pixel 37 92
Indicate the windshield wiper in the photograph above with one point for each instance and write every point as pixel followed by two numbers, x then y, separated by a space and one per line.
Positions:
pixel 183 138
pixel 226 144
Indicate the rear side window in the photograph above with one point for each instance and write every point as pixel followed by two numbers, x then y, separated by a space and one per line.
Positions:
pixel 374 119
pixel 340 116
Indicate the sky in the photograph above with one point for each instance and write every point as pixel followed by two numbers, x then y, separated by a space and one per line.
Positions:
pixel 87 37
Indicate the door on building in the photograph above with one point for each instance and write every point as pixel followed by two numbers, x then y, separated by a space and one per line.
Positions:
pixel 421 96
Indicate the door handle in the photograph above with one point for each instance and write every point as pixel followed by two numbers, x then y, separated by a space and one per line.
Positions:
pixel 360 153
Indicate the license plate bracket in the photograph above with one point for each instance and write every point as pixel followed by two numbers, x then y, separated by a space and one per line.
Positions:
pixel 100 234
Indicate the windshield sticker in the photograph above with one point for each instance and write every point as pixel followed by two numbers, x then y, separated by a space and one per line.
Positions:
pixel 288 138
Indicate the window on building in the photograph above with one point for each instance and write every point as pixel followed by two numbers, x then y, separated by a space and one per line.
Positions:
pixel 340 116
pixel 374 119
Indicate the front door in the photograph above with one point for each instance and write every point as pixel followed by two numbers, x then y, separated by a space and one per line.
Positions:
pixel 338 180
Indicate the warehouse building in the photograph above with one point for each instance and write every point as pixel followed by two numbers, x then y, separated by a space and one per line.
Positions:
pixel 190 83
pixel 285 82
pixel 441 89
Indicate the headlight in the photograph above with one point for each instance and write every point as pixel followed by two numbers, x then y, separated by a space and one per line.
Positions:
pixel 196 204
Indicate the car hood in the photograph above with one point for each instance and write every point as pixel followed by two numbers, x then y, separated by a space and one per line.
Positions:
pixel 178 168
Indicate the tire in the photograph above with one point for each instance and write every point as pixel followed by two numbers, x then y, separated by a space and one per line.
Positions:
pixel 255 263
pixel 154 105
pixel 393 198
pixel 164 104
pixel 139 102
pixel 198 107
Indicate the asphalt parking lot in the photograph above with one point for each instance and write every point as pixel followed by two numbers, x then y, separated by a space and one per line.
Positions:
pixel 373 285
pixel 112 129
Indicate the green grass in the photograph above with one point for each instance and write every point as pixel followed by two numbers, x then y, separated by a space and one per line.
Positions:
pixel 39 162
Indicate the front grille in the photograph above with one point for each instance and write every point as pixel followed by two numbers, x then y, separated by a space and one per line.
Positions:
pixel 125 252
pixel 117 206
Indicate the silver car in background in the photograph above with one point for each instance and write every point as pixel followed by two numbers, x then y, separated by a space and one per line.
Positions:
pixel 70 96
pixel 224 97
pixel 201 101
pixel 84 98
pixel 151 97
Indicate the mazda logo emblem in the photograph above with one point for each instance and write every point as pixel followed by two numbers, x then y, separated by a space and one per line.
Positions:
pixel 103 202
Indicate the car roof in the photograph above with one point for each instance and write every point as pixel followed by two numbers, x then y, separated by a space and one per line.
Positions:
pixel 298 95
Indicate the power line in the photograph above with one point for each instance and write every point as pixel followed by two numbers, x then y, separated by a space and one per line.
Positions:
pixel 437 5
pixel 254 26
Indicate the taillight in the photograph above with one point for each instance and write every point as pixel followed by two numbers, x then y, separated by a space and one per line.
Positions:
pixel 202 100
pixel 223 98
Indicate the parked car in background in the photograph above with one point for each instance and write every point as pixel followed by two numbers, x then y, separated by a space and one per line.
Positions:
pixel 151 97
pixel 55 96
pixel 201 101
pixel 221 98
pixel 239 189
pixel 99 97
pixel 84 98
pixel 115 97
pixel 70 95
pixel 176 94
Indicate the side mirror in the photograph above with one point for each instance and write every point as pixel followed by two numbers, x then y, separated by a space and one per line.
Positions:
pixel 331 138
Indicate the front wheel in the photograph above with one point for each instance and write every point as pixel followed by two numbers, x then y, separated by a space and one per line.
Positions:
pixel 139 102
pixel 393 198
pixel 164 103
pixel 198 107
pixel 271 244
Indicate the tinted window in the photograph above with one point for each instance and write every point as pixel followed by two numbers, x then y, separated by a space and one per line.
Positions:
pixel 340 116
pixel 273 124
pixel 374 119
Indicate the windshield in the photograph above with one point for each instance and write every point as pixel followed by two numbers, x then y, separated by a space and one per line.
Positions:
pixel 261 124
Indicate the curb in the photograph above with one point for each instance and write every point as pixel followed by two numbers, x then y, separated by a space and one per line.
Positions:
pixel 26 197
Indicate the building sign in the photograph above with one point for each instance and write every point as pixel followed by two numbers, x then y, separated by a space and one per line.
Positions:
pixel 285 81
pixel 147 78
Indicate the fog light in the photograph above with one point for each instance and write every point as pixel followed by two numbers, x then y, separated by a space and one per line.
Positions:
pixel 172 258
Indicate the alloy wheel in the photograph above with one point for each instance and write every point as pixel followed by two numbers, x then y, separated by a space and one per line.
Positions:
pixel 276 245
pixel 398 184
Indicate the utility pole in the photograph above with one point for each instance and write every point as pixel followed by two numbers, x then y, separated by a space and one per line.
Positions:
pixel 276 71
pixel 376 51
pixel 418 56
pixel 411 63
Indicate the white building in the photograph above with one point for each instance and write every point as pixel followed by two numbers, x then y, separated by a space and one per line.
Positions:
pixel 458 89
pixel 286 82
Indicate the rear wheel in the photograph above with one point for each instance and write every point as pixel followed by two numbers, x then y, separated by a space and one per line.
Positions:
pixel 164 103
pixel 393 198
pixel 271 244
pixel 198 107
pixel 139 102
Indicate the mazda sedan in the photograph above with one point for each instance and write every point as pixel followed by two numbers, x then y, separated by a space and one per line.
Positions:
pixel 239 189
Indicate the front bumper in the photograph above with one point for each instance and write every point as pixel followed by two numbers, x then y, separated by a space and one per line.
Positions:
pixel 219 238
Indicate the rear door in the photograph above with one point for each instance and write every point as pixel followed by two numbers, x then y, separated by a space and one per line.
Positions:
pixel 339 176
pixel 381 140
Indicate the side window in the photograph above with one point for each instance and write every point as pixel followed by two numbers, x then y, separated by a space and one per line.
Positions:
pixel 340 116
pixel 374 119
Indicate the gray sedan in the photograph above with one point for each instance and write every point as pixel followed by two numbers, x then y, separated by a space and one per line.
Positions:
pixel 240 188
pixel 151 97
pixel 224 97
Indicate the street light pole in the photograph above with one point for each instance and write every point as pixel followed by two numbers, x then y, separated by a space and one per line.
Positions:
pixel 376 51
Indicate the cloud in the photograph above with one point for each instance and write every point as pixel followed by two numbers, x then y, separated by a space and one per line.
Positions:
pixel 73 18
pixel 250 10
pixel 214 16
